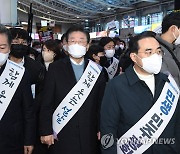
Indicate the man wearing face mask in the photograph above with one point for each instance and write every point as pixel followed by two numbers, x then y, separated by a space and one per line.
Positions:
pixel 137 115
pixel 35 69
pixel 118 50
pixel 37 46
pixel 169 40
pixel 74 87
pixel 17 118
pixel 112 64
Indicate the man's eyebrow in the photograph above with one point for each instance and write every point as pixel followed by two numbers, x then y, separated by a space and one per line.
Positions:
pixel 159 47
pixel 148 49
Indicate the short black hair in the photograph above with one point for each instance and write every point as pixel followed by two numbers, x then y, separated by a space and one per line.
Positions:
pixel 171 19
pixel 133 43
pixel 4 30
pixel 58 41
pixel 105 40
pixel 94 49
pixel 63 37
pixel 36 43
pixel 19 33
pixel 77 29
pixel 53 46
pixel 116 39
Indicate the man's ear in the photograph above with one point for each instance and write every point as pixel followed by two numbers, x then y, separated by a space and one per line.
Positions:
pixel 173 28
pixel 94 57
pixel 133 57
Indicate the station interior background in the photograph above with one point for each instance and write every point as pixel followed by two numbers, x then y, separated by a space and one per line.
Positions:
pixel 121 18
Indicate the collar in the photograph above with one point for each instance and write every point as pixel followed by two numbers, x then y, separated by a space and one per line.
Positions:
pixel 75 63
pixel 22 62
pixel 143 77
pixel 133 78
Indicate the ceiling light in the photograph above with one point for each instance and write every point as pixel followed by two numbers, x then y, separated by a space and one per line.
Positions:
pixel 24 23
pixel 108 8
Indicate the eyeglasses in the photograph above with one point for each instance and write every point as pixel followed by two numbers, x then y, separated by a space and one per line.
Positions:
pixel 80 42
pixel 19 42
pixel 150 53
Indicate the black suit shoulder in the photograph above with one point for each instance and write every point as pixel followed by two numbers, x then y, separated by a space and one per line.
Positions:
pixel 35 69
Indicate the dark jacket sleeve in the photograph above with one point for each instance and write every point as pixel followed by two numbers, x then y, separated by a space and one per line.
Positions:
pixel 110 116
pixel 177 127
pixel 46 109
pixel 28 112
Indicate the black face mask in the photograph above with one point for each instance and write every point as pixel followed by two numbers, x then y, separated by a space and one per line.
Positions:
pixel 103 60
pixel 18 50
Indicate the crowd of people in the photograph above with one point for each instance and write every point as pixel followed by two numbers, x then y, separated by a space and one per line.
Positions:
pixel 73 96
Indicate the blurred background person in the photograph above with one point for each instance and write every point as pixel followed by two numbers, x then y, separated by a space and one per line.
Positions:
pixel 37 46
pixel 96 53
pixel 64 45
pixel 118 49
pixel 112 65
pixel 50 52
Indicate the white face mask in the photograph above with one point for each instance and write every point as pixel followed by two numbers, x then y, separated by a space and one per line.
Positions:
pixel 76 50
pixel 177 41
pixel 152 64
pixel 38 50
pixel 65 47
pixel 48 56
pixel 109 53
pixel 121 46
pixel 117 47
pixel 3 58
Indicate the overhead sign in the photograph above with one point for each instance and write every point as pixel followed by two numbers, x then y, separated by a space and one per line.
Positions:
pixel 111 25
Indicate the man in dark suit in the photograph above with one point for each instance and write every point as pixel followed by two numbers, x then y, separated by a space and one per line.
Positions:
pixel 17 125
pixel 19 55
pixel 131 95
pixel 79 135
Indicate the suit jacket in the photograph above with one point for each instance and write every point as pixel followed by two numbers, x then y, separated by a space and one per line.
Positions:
pixel 17 126
pixel 35 69
pixel 126 100
pixel 80 133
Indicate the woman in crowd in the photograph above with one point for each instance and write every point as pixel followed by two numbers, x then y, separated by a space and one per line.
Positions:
pixel 96 54
pixel 112 64
pixel 50 52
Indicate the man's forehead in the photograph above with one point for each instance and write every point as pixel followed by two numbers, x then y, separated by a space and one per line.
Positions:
pixel 3 39
pixel 77 34
pixel 149 41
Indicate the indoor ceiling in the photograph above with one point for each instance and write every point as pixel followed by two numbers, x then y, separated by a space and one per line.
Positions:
pixel 74 11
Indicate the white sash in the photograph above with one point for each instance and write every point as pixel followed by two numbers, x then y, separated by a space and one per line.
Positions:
pixel 9 82
pixel 75 98
pixel 112 69
pixel 148 129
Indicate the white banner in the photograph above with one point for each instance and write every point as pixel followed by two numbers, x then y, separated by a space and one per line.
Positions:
pixel 148 129
pixel 75 98
pixel 112 69
pixel 9 82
